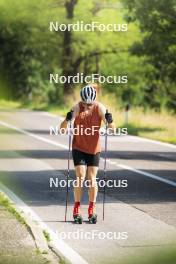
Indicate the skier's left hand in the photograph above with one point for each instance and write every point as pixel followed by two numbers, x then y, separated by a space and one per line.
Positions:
pixel 108 117
pixel 69 116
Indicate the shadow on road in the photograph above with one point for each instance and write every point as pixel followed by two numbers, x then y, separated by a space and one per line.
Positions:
pixel 62 154
pixel 35 187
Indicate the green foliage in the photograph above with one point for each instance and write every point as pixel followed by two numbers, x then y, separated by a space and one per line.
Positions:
pixel 29 52
pixel 157 21
pixel 26 50
pixel 46 235
pixel 6 203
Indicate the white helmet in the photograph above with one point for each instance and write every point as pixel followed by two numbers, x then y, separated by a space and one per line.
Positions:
pixel 88 94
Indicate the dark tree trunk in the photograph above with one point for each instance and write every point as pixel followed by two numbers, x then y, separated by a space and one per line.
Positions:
pixel 67 62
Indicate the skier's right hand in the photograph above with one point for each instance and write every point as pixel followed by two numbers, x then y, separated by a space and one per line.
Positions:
pixel 69 116
pixel 108 117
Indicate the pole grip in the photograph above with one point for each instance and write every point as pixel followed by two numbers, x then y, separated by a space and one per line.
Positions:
pixel 71 110
pixel 105 119
pixel 72 118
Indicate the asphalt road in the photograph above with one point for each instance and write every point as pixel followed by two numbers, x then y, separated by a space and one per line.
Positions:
pixel 142 216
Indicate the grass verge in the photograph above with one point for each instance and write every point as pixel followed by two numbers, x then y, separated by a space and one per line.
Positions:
pixel 46 235
pixel 157 256
pixel 6 105
pixel 6 203
pixel 149 123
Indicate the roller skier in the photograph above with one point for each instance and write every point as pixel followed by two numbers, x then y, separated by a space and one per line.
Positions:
pixel 87 115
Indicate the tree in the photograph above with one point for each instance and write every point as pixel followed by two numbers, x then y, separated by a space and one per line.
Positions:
pixel 157 22
pixel 72 58
pixel 67 56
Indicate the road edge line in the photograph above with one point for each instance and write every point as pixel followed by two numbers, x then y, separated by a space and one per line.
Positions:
pixel 154 141
pixel 156 177
pixel 59 246
pixel 147 174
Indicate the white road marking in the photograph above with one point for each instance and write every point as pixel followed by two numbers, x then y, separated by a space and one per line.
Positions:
pixel 71 255
pixel 33 135
pixel 165 155
pixel 147 174
pixel 135 138
pixel 154 142
pixel 67 251
pixel 110 162
pixel 53 115
pixel 49 114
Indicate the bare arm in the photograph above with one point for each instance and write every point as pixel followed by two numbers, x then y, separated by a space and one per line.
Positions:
pixel 112 125
pixel 102 112
pixel 64 123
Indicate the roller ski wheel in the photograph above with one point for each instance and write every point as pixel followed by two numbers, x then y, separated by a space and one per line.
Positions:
pixel 78 219
pixel 92 219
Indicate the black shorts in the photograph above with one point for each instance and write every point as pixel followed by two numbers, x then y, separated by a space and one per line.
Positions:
pixel 82 158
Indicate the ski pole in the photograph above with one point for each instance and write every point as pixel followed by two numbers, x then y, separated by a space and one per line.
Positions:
pixel 68 166
pixel 105 158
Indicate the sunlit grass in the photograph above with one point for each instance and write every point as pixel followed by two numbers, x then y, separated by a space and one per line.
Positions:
pixel 149 124
pixel 6 203
pixel 5 105
pixel 153 255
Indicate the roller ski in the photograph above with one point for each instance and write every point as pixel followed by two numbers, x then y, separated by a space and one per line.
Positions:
pixel 92 219
pixel 76 214
pixel 78 219
pixel 92 216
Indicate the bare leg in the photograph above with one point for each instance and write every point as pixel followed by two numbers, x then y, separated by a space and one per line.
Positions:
pixel 80 176
pixel 93 189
